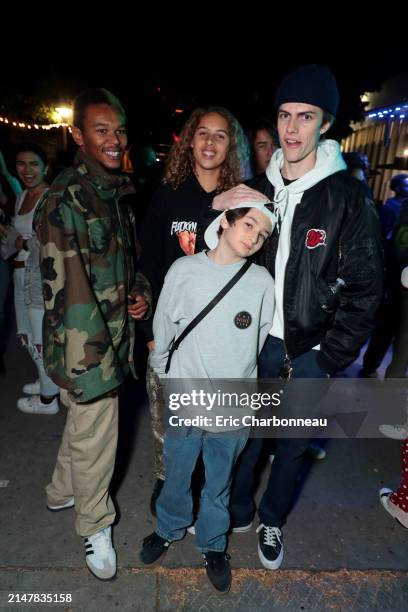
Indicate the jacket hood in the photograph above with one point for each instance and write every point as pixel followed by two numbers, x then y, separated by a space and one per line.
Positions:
pixel 328 161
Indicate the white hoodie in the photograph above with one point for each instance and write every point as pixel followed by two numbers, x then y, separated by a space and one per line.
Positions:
pixel 286 198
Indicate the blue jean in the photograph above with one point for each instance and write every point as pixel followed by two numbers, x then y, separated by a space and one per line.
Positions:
pixel 29 323
pixel 278 497
pixel 174 506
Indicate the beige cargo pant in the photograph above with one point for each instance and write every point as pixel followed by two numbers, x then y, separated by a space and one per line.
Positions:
pixel 85 462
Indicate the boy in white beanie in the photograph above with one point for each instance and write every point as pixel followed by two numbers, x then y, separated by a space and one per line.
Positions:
pixel 224 344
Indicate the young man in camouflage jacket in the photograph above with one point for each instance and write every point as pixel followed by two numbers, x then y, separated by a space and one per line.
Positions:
pixel 88 245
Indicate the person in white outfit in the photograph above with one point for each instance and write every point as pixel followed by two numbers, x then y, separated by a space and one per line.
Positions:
pixel 19 238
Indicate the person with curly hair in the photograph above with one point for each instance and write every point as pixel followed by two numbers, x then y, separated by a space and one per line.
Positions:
pixel 210 156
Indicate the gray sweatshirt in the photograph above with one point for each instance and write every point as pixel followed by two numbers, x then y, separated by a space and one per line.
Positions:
pixel 226 343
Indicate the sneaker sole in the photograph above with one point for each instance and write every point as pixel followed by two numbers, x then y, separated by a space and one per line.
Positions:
pixel 383 501
pixel 271 565
pixel 243 529
pixel 60 509
pixel 49 412
pixel 392 435
pixel 103 579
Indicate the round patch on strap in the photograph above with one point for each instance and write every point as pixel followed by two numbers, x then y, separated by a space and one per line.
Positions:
pixel 243 320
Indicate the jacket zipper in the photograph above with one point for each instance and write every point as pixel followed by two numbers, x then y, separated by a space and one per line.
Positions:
pixel 287 368
pixel 287 363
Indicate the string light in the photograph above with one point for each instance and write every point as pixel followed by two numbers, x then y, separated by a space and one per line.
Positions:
pixel 33 126
pixel 384 113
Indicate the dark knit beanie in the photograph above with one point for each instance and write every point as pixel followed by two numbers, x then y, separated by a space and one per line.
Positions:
pixel 311 85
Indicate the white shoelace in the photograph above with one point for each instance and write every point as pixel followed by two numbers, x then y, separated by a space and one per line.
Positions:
pixel 271 535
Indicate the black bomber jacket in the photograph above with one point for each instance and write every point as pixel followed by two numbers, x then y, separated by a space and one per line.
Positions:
pixel 333 277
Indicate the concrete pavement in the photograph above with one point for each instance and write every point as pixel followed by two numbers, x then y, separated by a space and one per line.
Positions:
pixel 342 551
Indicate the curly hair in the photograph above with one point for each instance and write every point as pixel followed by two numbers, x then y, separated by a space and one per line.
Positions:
pixel 180 163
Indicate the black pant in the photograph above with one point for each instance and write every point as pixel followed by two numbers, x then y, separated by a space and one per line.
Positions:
pixel 278 497
pixel 388 318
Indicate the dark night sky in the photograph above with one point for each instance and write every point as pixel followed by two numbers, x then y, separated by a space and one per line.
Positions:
pixel 241 77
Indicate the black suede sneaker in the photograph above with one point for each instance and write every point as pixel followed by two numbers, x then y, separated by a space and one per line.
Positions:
pixel 218 570
pixel 158 485
pixel 270 546
pixel 153 548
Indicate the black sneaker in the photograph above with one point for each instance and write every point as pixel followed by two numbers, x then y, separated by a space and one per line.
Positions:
pixel 158 485
pixel 218 570
pixel 270 546
pixel 153 548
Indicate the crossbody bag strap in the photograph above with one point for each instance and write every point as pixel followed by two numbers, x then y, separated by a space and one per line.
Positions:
pixel 204 312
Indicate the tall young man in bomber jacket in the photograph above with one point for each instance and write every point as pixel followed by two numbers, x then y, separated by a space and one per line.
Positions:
pixel 325 256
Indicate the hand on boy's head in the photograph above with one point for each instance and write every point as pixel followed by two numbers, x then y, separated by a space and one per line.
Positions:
pixel 237 195
pixel 138 306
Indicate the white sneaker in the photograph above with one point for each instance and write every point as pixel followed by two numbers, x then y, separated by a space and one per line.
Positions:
pixel 32 388
pixel 398 513
pixel 34 405
pixel 100 554
pixel 69 504
pixel 191 530
pixel 396 432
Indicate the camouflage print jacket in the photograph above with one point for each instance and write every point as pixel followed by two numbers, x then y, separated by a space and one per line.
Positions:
pixel 88 250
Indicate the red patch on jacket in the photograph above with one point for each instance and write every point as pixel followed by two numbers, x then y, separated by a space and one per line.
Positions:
pixel 315 238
